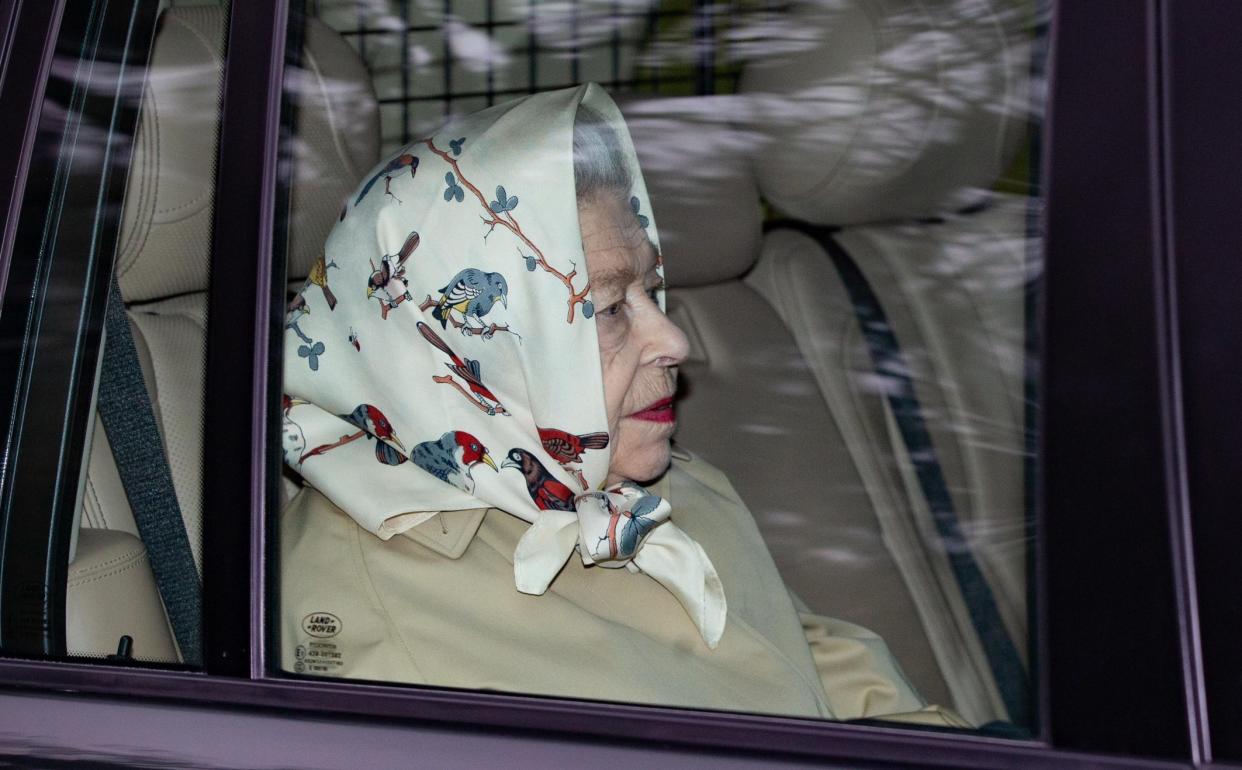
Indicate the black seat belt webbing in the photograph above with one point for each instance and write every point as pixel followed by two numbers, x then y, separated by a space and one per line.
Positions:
pixel 129 420
pixel 889 362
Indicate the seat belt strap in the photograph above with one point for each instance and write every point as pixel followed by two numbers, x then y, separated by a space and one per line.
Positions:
pixel 129 420
pixel 889 362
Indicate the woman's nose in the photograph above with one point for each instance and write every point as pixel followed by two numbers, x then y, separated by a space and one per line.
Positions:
pixel 666 341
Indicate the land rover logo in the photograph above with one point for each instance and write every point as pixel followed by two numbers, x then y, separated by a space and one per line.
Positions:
pixel 321 624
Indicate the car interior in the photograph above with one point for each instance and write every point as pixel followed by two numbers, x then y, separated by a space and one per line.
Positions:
pixel 850 233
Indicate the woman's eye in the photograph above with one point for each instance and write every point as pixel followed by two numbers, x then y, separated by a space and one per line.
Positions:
pixel 612 309
pixel 654 293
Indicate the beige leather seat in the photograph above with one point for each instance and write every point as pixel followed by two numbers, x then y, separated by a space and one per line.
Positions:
pixel 953 296
pixel 874 115
pixel 162 266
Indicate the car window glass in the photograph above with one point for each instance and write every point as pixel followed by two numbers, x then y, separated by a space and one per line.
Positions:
pixel 848 212
pixel 128 127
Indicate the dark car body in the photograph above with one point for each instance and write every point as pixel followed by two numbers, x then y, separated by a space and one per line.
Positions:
pixel 1141 444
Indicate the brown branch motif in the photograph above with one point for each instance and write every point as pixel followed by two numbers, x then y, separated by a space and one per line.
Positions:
pixel 486 332
pixel 445 379
pixel 505 219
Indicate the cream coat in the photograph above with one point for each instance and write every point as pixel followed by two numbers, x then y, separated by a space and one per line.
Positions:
pixel 436 605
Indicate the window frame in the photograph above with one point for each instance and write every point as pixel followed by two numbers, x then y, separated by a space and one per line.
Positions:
pixel 1110 438
pixel 1201 192
pixel 1083 371
pixel 29 40
pixel 55 309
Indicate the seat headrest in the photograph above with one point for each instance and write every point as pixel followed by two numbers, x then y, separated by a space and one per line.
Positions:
pixel 887 109
pixel 701 185
pixel 166 222
pixel 336 142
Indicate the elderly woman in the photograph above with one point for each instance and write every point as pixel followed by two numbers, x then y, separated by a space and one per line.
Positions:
pixel 479 377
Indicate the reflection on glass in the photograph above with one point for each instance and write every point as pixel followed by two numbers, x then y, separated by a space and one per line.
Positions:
pixel 124 580
pixel 840 191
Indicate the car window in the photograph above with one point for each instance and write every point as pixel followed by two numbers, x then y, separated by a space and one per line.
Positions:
pixel 846 208
pixel 112 258
pixel 878 345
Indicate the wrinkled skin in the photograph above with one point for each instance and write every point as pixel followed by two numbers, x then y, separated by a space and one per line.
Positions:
pixel 639 348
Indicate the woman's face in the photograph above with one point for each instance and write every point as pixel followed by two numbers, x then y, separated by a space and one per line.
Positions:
pixel 639 348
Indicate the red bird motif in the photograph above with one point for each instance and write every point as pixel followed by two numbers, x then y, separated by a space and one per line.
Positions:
pixel 566 448
pixel 467 369
pixel 547 493
pixel 373 424
pixel 403 161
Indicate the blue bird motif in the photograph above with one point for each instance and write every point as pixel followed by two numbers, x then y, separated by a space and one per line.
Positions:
pixel 472 293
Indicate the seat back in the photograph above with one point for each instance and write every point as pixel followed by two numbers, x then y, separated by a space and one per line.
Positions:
pixel 163 269
pixel 874 116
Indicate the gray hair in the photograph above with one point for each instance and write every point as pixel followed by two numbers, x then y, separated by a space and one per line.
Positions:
pixel 599 161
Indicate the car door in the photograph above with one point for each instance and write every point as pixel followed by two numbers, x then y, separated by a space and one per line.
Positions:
pixel 1114 589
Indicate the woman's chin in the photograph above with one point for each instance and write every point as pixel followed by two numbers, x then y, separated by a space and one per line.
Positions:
pixel 641 464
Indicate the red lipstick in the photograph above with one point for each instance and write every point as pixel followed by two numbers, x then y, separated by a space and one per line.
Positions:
pixel 660 411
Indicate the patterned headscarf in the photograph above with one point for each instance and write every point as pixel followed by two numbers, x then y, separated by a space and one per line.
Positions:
pixel 443 354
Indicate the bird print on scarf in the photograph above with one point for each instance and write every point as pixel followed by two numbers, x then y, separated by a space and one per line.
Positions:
pixel 469 370
pixel 451 458
pixel 371 423
pixel 547 493
pixel 470 243
pixel 319 277
pixel 567 448
pixel 391 169
pixel 387 282
pixel 471 293
pixel 498 212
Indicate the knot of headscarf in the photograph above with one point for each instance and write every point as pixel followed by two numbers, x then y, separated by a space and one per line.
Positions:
pixel 448 326
pixel 625 526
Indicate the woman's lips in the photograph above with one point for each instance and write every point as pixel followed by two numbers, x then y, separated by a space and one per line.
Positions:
pixel 660 411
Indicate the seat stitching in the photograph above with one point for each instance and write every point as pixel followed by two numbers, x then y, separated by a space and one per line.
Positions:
pixel 149 160
pixel 113 573
pixel 213 49
pixel 89 512
pixel 131 554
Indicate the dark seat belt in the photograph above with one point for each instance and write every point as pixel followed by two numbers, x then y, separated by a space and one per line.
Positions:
pixel 889 362
pixel 129 420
